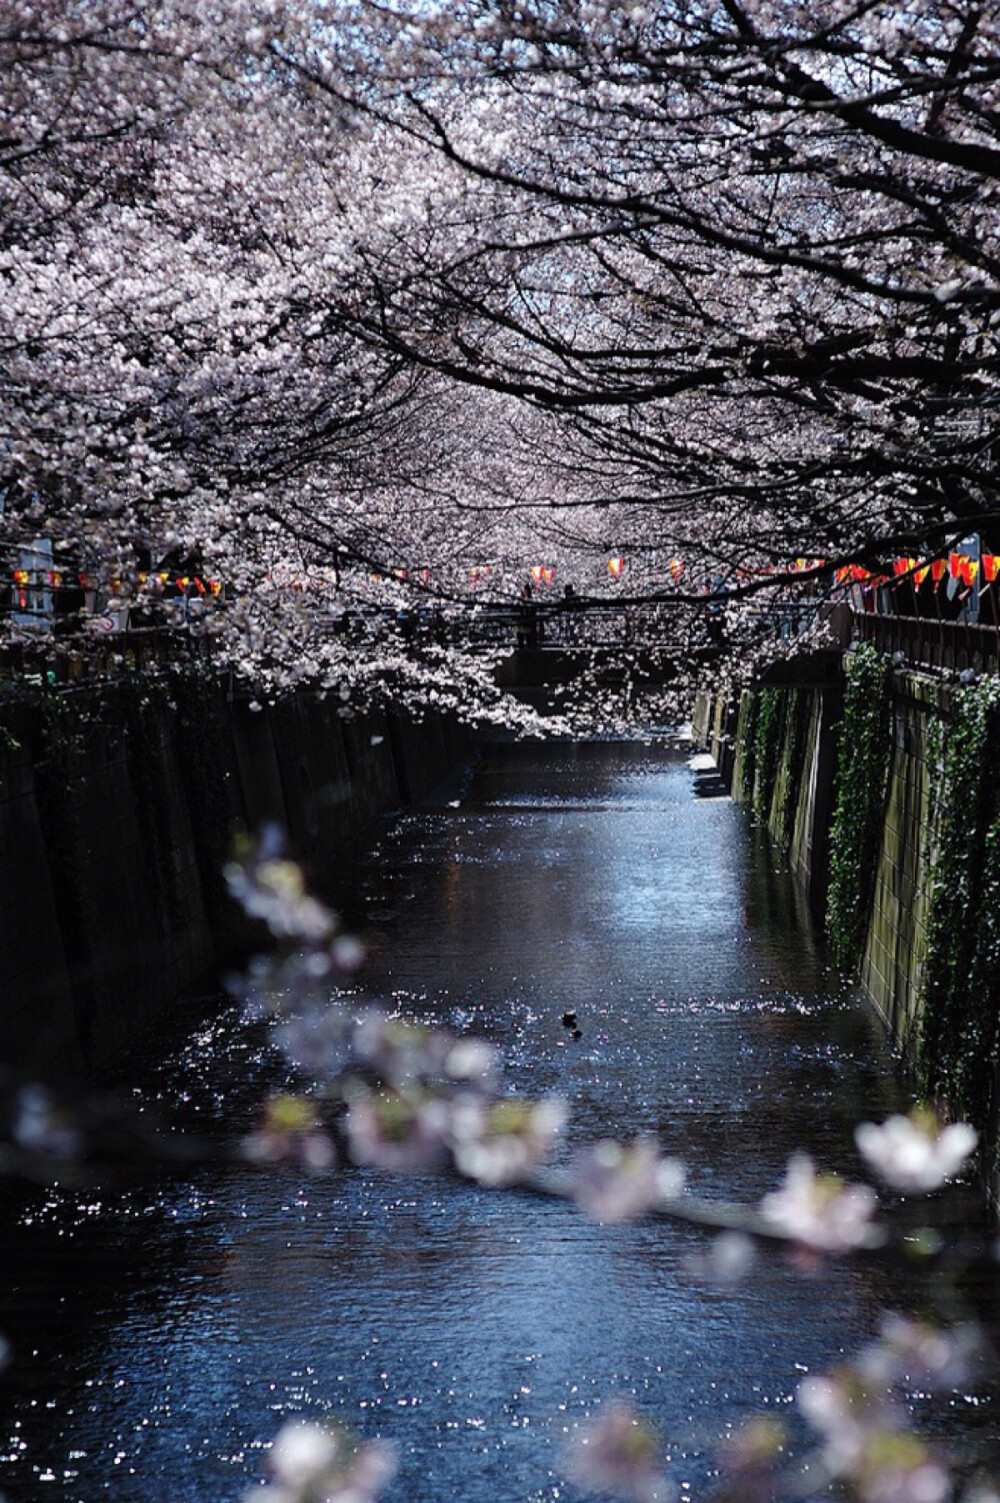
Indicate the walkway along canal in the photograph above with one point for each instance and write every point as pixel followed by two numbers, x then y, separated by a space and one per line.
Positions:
pixel 161 1334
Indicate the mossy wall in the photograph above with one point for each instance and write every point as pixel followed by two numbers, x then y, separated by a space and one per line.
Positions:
pixel 888 805
pixel 895 942
pixel 776 751
pixel 784 763
pixel 117 809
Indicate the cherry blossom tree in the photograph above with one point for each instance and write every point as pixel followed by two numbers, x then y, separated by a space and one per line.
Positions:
pixel 746 251
pixel 311 292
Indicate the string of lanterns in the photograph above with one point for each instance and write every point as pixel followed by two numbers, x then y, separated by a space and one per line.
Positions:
pixel 964 567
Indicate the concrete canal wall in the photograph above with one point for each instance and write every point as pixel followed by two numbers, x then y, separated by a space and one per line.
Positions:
pixel 883 790
pixel 784 769
pixel 117 809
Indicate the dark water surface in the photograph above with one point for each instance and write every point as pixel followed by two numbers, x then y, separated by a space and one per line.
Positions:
pixel 160 1335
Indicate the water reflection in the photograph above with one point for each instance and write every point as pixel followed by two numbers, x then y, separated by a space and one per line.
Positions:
pixel 162 1335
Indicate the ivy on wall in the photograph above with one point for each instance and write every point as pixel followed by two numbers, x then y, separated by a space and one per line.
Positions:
pixel 769 733
pixel 748 745
pixel 792 763
pixel 960 992
pixel 761 735
pixel 773 737
pixel 863 757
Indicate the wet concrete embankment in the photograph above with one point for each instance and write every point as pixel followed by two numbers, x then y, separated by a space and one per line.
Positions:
pixel 118 804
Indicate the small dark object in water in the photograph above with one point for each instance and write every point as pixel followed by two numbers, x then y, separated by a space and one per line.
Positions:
pixel 577 1033
pixel 569 1019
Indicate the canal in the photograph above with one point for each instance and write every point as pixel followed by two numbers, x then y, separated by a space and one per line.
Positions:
pixel 161 1332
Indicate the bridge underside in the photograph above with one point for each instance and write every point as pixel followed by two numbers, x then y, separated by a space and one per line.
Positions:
pixel 537 675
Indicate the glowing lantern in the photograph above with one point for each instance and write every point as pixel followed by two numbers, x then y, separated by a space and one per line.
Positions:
pixel 615 565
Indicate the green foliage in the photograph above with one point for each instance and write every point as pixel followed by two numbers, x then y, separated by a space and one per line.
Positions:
pixel 960 993
pixel 748 742
pixel 792 760
pixel 769 731
pixel 863 759
pixel 773 737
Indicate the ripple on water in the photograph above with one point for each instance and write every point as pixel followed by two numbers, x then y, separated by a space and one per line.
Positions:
pixel 164 1332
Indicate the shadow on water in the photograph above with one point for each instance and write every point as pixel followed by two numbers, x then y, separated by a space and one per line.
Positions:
pixel 162 1332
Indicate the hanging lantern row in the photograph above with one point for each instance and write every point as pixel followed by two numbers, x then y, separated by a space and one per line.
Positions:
pixel 377 575
pixel 56 579
pixel 961 566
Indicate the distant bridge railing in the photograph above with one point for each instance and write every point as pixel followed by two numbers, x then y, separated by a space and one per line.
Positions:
pixel 87 652
pixel 537 625
pixel 921 642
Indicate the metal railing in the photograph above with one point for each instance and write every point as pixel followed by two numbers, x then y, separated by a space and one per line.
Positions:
pixel 47 659
pixel 950 646
pixel 544 625
pixel 942 645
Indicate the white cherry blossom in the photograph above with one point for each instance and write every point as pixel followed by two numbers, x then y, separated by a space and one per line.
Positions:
pixel 917 1152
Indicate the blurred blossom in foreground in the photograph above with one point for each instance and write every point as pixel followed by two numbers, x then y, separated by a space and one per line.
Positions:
pixel 618 1453
pixel 496 1142
pixel 728 1258
pixel 404 1052
pixel 389 1130
pixel 749 1458
pixel 270 887
pixel 290 1131
pixel 913 1353
pixel 821 1211
pixel 319 1463
pixel 42 1125
pixel 867 1442
pixel 916 1152
pixel 618 1181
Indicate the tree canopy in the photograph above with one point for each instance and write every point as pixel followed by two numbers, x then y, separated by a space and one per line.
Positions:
pixel 321 291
